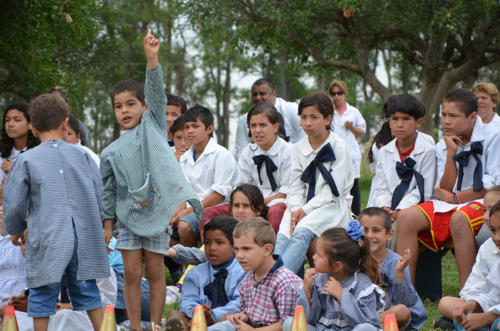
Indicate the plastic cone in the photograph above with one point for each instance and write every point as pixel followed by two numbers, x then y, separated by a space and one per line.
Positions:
pixel 198 323
pixel 299 319
pixel 390 323
pixel 109 320
pixel 9 322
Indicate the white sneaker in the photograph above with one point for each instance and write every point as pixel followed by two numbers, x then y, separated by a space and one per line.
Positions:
pixel 173 294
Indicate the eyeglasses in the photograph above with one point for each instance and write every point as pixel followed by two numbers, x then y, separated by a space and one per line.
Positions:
pixel 336 93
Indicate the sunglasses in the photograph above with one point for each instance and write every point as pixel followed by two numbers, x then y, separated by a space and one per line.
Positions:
pixel 336 93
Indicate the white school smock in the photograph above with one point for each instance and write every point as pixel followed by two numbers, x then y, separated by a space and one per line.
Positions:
pixel 476 286
pixel 215 170
pixel 290 113
pixel 490 160
pixel 338 124
pixel 493 127
pixel 281 154
pixel 387 179
pixel 324 210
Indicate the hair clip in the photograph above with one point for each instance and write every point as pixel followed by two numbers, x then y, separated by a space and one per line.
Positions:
pixel 354 230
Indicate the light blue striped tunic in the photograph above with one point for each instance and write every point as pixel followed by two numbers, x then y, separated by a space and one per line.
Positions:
pixel 58 184
pixel 143 182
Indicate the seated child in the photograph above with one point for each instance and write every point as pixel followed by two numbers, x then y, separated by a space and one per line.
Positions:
pixel 402 297
pixel 137 193
pixel 467 164
pixel 209 168
pixel 321 179
pixel 181 143
pixel 59 186
pixel 176 106
pixel 213 284
pixel 269 290
pixel 406 165
pixel 340 292
pixel 476 287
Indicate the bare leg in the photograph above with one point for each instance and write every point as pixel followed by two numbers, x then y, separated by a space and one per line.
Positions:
pixel 41 323
pixel 155 273
pixel 132 265
pixel 465 247
pixel 188 238
pixel 401 312
pixel 411 221
pixel 96 316
pixel 448 304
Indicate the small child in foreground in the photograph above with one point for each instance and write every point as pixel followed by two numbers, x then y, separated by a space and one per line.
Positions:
pixel 340 292
pixel 213 284
pixel 403 299
pixel 269 290
pixel 59 186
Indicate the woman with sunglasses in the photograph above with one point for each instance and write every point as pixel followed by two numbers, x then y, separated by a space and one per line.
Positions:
pixel 349 124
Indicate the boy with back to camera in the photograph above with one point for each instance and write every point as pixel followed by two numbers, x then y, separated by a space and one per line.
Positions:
pixel 467 164
pixel 403 300
pixel 140 173
pixel 59 186
pixel 269 290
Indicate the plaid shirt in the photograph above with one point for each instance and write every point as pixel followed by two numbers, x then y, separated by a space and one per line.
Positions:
pixel 272 299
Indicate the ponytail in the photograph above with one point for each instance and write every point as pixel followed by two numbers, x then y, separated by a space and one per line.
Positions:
pixel 367 263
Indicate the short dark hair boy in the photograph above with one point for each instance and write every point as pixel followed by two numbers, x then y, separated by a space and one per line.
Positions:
pixel 47 111
pixel 466 99
pixel 202 113
pixel 129 85
pixel 175 100
pixel 405 103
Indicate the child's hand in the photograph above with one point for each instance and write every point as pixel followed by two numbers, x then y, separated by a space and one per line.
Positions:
pixel 463 309
pixel 17 239
pixel 443 195
pixel 178 153
pixel 151 47
pixel 296 217
pixel 235 318
pixel 348 124
pixel 401 265
pixel 176 217
pixel 6 165
pixel 452 143
pixel 309 277
pixel 475 321
pixel 108 233
pixel 333 287
pixel 242 326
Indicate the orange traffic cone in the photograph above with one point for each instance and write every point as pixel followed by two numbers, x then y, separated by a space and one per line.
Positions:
pixel 390 323
pixel 109 320
pixel 9 320
pixel 299 319
pixel 198 323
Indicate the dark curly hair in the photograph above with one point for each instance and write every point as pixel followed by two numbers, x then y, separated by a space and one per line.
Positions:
pixel 6 143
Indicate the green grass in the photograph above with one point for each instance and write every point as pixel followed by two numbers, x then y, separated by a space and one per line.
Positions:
pixel 449 269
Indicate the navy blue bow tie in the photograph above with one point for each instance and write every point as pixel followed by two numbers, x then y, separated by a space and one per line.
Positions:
pixel 325 154
pixel 462 158
pixel 406 172
pixel 216 291
pixel 270 168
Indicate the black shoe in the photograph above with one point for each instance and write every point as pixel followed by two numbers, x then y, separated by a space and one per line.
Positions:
pixel 174 324
pixel 176 270
pixel 443 324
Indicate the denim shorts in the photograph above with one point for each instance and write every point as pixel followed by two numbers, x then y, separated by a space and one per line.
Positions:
pixel 193 222
pixel 127 240
pixel 84 294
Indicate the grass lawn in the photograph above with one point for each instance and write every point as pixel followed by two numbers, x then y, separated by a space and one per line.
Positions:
pixel 449 268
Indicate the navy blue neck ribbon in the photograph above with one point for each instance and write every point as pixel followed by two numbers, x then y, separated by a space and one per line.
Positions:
pixel 325 154
pixel 270 168
pixel 215 291
pixel 462 158
pixel 406 172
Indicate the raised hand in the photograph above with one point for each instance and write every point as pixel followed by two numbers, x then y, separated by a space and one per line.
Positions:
pixel 151 48
pixel 401 265
pixel 452 143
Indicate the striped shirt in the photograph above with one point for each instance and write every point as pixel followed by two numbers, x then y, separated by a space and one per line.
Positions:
pixel 58 184
pixel 271 299
pixel 143 182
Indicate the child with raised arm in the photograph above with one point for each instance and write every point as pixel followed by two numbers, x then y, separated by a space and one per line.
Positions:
pixel 58 185
pixel 140 173
pixel 321 179
pixel 269 290
pixel 340 293
pixel 403 299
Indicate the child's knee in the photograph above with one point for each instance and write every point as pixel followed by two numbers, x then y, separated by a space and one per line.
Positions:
pixel 132 276
pixel 459 223
pixel 447 304
pixel 184 229
pixel 403 314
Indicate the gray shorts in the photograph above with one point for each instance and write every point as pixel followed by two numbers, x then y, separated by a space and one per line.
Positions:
pixel 127 240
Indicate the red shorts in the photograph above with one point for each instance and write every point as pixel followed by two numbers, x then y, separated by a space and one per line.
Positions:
pixel 440 223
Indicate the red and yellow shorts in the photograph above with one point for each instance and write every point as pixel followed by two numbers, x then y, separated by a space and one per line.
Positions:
pixel 440 223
